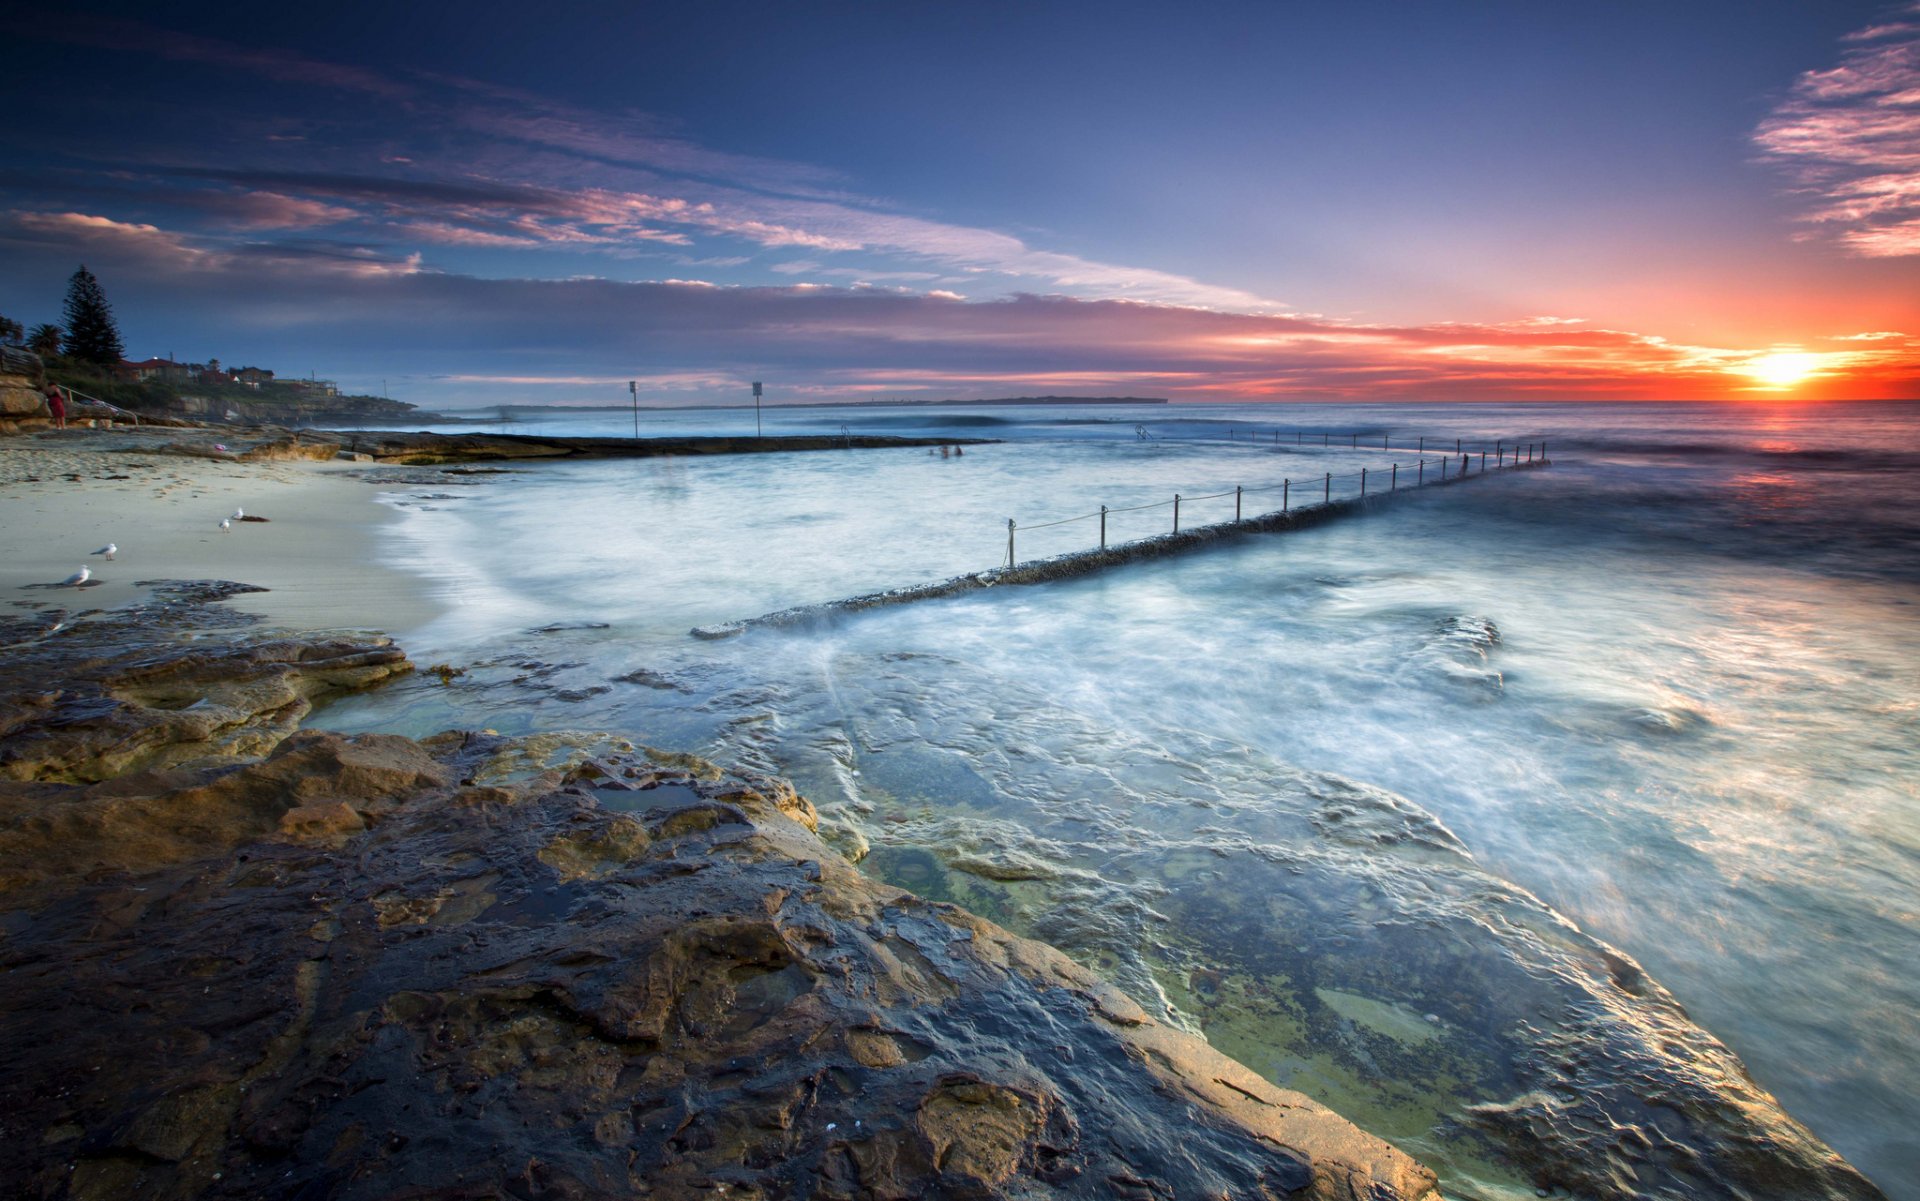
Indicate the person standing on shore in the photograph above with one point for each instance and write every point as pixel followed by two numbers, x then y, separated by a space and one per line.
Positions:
pixel 57 405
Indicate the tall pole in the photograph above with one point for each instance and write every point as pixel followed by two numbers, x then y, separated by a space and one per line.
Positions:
pixel 756 408
pixel 633 386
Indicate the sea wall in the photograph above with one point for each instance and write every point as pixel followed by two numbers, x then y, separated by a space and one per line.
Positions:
pixel 1087 562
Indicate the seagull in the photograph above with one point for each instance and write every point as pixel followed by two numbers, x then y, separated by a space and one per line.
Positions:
pixel 238 513
pixel 226 525
pixel 77 578
pixel 109 550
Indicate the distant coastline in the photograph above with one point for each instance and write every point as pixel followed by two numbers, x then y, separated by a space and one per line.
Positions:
pixel 825 404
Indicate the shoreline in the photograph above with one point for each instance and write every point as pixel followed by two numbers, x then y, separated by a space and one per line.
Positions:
pixel 317 524
pixel 72 491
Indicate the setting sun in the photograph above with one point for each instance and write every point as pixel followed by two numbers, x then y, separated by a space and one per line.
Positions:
pixel 1783 369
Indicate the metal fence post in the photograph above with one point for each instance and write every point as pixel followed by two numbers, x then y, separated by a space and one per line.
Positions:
pixel 1423 444
pixel 1420 476
pixel 1383 441
pixel 1103 527
pixel 1393 481
pixel 1236 502
pixel 1443 469
pixel 1456 446
pixel 1326 497
pixel 1363 483
pixel 1009 542
pixel 1356 442
pixel 1176 512
pixel 1499 453
pixel 1483 460
pixel 1285 487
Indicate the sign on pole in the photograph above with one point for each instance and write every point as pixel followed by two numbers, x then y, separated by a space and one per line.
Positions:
pixel 633 387
pixel 756 408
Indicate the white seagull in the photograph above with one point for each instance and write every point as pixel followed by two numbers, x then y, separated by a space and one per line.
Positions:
pixel 238 513
pixel 77 578
pixel 226 525
pixel 109 550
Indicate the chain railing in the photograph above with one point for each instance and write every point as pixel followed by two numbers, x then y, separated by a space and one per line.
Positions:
pixel 1506 456
pixel 105 404
pixel 1425 472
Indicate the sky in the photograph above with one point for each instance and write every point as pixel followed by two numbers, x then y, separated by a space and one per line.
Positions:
pixel 476 204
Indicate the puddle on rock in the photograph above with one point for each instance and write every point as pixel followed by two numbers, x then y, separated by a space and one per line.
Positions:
pixel 652 799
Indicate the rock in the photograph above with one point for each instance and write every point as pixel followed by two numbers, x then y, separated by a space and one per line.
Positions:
pixel 128 689
pixel 498 984
pixel 22 406
pixel 20 397
pixel 290 449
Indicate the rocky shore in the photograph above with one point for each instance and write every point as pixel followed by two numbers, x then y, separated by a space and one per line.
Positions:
pixel 243 963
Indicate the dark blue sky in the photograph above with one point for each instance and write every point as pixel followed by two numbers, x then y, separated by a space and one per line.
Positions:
pixel 481 202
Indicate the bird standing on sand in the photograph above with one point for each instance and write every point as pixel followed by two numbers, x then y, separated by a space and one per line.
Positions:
pixel 238 513
pixel 77 578
pixel 109 550
pixel 226 525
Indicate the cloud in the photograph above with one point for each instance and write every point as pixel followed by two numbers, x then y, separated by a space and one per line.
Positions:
pixel 466 338
pixel 270 210
pixel 158 253
pixel 1849 139
pixel 519 171
pixel 86 233
pixel 1885 241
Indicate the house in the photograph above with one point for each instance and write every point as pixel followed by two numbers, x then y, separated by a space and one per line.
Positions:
pixel 160 369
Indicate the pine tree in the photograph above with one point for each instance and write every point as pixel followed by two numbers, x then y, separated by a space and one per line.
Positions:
pixel 92 336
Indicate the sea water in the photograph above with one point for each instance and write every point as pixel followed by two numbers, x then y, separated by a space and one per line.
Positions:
pixel 1669 685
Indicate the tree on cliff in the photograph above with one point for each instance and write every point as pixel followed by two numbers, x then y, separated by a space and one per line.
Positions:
pixel 10 330
pixel 92 336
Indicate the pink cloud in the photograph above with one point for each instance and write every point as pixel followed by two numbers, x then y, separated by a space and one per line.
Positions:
pixel 271 210
pixel 1849 138
pixel 143 243
pixel 447 234
pixel 1885 241
pixel 152 249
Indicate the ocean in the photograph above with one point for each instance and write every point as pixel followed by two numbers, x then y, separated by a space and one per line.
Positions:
pixel 1347 798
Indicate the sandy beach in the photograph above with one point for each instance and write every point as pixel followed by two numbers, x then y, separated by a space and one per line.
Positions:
pixel 67 493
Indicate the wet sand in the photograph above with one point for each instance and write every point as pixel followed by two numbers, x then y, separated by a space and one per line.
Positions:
pixel 66 493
